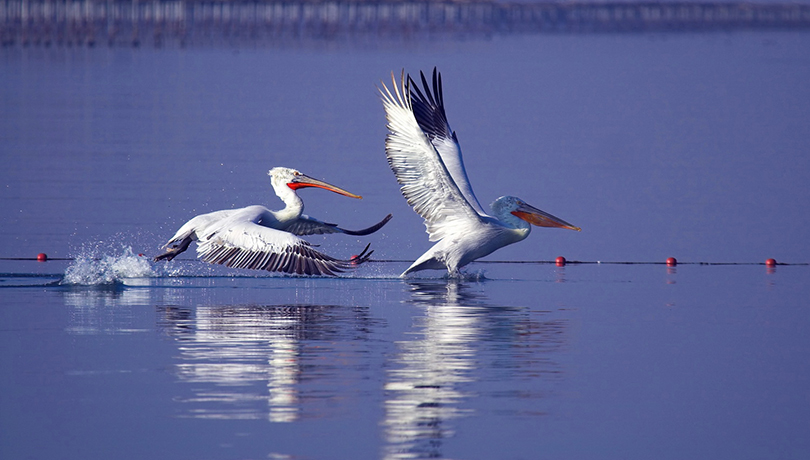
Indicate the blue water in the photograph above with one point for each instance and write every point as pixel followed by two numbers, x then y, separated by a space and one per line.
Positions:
pixel 691 146
pixel 537 361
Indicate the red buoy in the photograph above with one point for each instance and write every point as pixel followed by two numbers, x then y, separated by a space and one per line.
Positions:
pixel 770 262
pixel 42 257
pixel 671 261
pixel 560 261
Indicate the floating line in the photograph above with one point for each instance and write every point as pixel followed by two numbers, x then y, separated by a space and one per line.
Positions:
pixel 537 262
pixel 598 262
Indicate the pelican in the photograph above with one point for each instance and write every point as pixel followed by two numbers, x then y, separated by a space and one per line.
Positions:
pixel 257 238
pixel 425 156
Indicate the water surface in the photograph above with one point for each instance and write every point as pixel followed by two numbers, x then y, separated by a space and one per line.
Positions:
pixel 535 362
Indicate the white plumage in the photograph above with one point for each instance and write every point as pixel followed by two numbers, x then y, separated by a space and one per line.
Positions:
pixel 425 156
pixel 257 238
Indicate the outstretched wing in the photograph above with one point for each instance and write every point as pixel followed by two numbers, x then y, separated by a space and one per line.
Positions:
pixel 252 246
pixel 425 180
pixel 428 108
pixel 306 225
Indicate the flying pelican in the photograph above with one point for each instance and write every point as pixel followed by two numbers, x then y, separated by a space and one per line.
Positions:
pixel 425 156
pixel 257 238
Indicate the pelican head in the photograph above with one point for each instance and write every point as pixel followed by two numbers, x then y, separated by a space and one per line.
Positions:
pixel 293 179
pixel 507 206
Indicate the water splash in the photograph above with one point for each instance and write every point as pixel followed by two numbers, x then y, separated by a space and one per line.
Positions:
pixel 92 269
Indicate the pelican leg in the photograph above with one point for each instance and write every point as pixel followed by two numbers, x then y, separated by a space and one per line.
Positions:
pixel 175 250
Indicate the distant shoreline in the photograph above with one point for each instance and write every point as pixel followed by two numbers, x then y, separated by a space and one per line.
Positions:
pixel 159 22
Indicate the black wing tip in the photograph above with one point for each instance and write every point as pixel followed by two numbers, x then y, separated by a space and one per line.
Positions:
pixel 167 256
pixel 369 230
pixel 171 252
pixel 434 96
pixel 428 105
pixel 363 257
pixel 427 88
pixel 436 79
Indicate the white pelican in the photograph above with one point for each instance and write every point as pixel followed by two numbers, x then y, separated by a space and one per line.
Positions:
pixel 257 238
pixel 425 156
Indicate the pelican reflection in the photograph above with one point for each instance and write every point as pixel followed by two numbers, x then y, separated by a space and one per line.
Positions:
pixel 250 361
pixel 425 390
pixel 433 378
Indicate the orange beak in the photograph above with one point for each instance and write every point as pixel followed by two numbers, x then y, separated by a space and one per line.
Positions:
pixel 302 180
pixel 540 218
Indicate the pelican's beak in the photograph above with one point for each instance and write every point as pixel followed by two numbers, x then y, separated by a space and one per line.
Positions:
pixel 540 218
pixel 302 180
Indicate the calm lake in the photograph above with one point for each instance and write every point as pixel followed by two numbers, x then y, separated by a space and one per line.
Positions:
pixel 658 145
